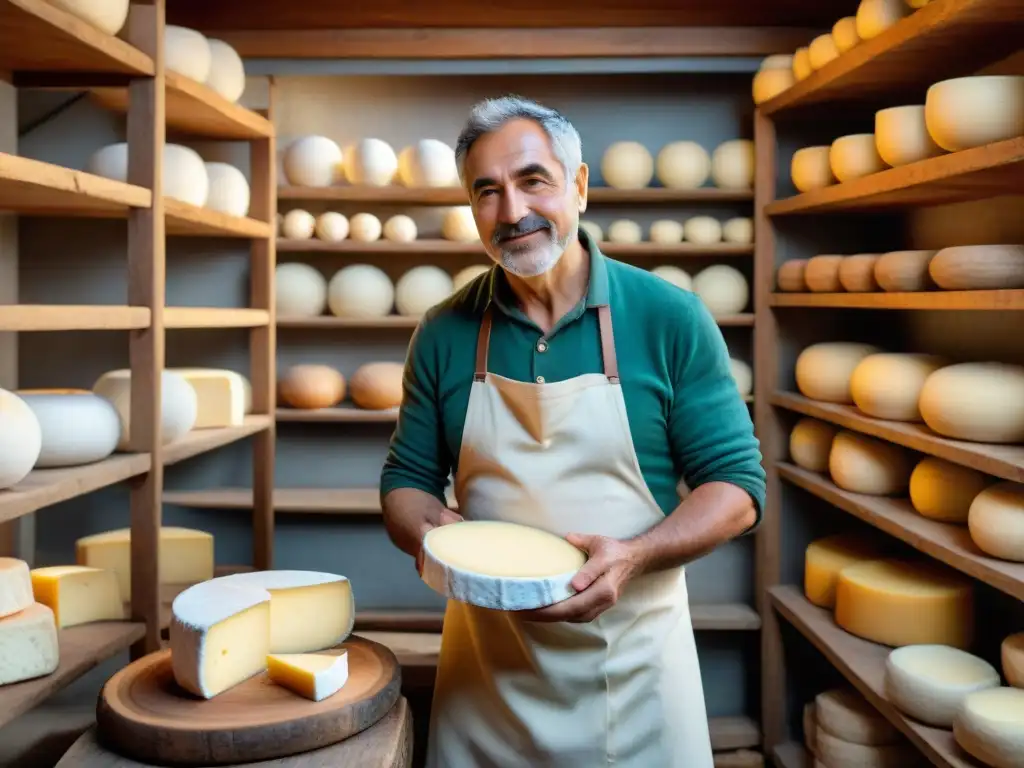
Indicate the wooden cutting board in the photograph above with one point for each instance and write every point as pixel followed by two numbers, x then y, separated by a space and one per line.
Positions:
pixel 143 714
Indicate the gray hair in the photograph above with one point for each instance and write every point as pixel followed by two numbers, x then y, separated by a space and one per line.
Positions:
pixel 491 114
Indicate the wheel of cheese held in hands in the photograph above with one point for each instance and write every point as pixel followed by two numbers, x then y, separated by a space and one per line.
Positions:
pixel 311 386
pixel 377 386
pixel 179 407
pixel 20 439
pixel 421 288
pixel 989 725
pixel 682 165
pixel 228 190
pixel 863 464
pixel 299 290
pixel 185 176
pixel 370 162
pixel 428 163
pixel 187 52
pixel 981 402
pixel 627 165
pixel 227 72
pixel 360 290
pixel 941 490
pixel 107 16
pixel 888 385
pixel 823 370
pixel 732 164
pixel 978 267
pixel 996 521
pixel 313 161
pixel 810 443
pixel 499 565
pixel 930 682
pixel 75 428
pixel 723 289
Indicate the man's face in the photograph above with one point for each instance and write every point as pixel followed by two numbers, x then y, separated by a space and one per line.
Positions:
pixel 526 211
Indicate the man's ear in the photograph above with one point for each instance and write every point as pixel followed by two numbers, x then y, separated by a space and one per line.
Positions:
pixel 582 177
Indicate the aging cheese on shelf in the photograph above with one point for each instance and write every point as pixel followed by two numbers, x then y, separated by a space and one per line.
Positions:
pixel 223 398
pixel 810 443
pixel 826 557
pixel 863 464
pixel 1012 658
pixel 377 386
pixel 929 682
pixel 996 521
pixel 312 675
pixel 15 586
pixel 78 594
pixel 845 714
pixel 982 402
pixel 942 490
pixel 990 726
pixel 186 555
pixel 499 565
pixel 222 630
pixel 836 753
pixel 823 370
pixel 888 385
pixel 897 603
pixel 28 644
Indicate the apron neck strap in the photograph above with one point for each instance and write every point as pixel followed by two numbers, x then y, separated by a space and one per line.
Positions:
pixel 604 319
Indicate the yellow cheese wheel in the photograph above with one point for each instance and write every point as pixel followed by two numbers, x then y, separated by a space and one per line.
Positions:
pixel 810 169
pixel 769 83
pixel 822 274
pixel 810 443
pixel 966 112
pixel 996 521
pixel 981 402
pixel 825 559
pixel 978 267
pixel 844 32
pixel 377 386
pixel 822 50
pixel 790 276
pixel 854 156
pixel 942 490
pixel 802 63
pixel 897 603
pixel 904 270
pixel 823 370
pixel 863 464
pixel 901 135
pixel 888 385
pixel 311 386
pixel 857 273
pixel 1012 659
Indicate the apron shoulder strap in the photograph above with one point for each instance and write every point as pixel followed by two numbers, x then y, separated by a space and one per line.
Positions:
pixel 483 340
pixel 611 362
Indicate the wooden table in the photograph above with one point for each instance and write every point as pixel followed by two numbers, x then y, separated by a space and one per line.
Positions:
pixel 388 744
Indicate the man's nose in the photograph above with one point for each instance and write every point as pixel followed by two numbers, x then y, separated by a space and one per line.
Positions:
pixel 513 206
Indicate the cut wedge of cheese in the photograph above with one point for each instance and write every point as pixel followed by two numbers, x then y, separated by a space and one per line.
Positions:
pixel 836 753
pixel 28 644
pixel 223 398
pixel 845 714
pixel 1012 657
pixel 312 675
pixel 15 586
pixel 499 565
pixel 78 594
pixel 222 630
pixel 826 557
pixel 929 682
pixel 990 726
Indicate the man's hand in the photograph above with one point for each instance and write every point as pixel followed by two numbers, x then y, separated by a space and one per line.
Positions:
pixel 447 516
pixel 610 566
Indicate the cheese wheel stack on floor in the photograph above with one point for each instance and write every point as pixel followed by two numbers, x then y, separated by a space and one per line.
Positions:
pixel 850 733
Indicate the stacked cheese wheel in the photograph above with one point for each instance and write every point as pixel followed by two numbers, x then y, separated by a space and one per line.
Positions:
pixel 679 165
pixel 842 729
pixel 374 386
pixel 319 161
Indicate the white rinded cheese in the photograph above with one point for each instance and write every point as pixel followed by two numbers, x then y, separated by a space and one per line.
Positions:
pixel 228 190
pixel 313 675
pixel 929 682
pixel 15 586
pixel 227 70
pixel 222 630
pixel 178 408
pixel 1012 652
pixel 21 439
pixel 78 594
pixel 499 565
pixel 313 161
pixel 371 162
pixel 996 521
pixel 223 398
pixel 990 726
pixel 28 644
pixel 77 427
pixel 428 163
pixel 845 714
pixel 836 753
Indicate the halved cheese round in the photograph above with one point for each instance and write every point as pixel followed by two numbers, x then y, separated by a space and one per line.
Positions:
pixel 823 370
pixel 942 490
pixel 833 751
pixel 1012 658
pixel 845 714
pixel 864 464
pixel 500 565
pixel 887 385
pixel 990 726
pixel 810 443
pixel 825 559
pixel 982 402
pixel 996 521
pixel 929 682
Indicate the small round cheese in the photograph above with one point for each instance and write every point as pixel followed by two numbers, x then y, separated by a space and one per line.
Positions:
pixel 365 228
pixel 1012 659
pixel 802 63
pixel 311 386
pixel 846 754
pixel 791 275
pixel 21 439
pixel 810 443
pixel 427 163
pixel 967 112
pixel 823 370
pixel 929 682
pixel 593 230
pixel 75 428
pixel 187 52
pixel 978 267
pixel 666 232
pixel 810 168
pixel 682 165
pixel 863 464
pixel 845 714
pixel 825 559
pixel 459 225
pixel 377 386
pixel 627 165
pixel 983 402
pixel 678 277
pixel 360 291
pixel 400 229
pixel 769 83
pixel 742 375
pixel 876 16
pixel 298 224
pixel 844 33
pixel 331 227
pixel 108 16
pixel 370 162
pixel 854 156
pixel 776 61
pixel 185 176
pixel 996 521
pixel 723 289
pixel 313 161
pixel 941 490
pixel 990 726
pixel 227 72
pixel 702 230
pixel 822 273
pixel 228 190
pixel 901 136
pixel 739 230
pixel 299 290
pixel 887 385
pixel 822 50
pixel 467 275
pixel 421 288
pixel 857 273
pixel 625 231
pixel 904 270
pixel 179 407
pixel 732 164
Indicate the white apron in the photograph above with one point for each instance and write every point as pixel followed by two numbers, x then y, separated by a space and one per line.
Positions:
pixel 624 689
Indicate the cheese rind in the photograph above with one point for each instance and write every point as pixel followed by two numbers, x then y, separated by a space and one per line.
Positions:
pixel 312 675
pixel 929 682
pixel 78 594
pixel 499 565
pixel 942 490
pixel 845 714
pixel 990 726
pixel 996 521
pixel 826 557
pixel 837 753
pixel 28 644
pixel 223 398
pixel 15 586
pixel 1012 657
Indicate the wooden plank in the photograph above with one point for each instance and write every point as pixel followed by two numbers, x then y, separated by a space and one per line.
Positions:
pixel 69 317
pixel 951 300
pixel 200 441
pixel 215 317
pixel 863 664
pixel 433 247
pixel 946 38
pixel 81 649
pixel 947 542
pixel 397 195
pixel 192 221
pixel 312 500
pixel 35 35
pixel 340 415
pixel 793 755
pixel 1005 461
pixel 973 174
pixel 32 187
pixel 401 321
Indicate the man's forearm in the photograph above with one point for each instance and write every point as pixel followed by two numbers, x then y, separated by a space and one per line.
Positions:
pixel 408 514
pixel 711 515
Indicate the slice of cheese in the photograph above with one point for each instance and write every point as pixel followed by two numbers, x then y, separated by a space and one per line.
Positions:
pixel 78 594
pixel 15 586
pixel 990 726
pixel 313 675
pixel 224 398
pixel 898 603
pixel 28 644
pixel 826 557
pixel 810 727
pixel 186 555
pixel 499 565
pixel 1012 653
pixel 845 714
pixel 222 630
pixel 836 753
pixel 929 682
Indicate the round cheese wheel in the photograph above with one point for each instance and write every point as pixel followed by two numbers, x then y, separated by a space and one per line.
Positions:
pixel 732 164
pixel 802 63
pixel 311 386
pixel 227 72
pixel 888 385
pixel 978 267
pixel 666 232
pixel 968 112
pixel 421 288
pixel 682 165
pixel 331 227
pixel 854 156
pixel 857 273
pixel 844 33
pixel 21 439
pixel 313 161
pixel 627 165
pixel 769 83
pixel 678 277
pixel 179 407
pixel 624 231
pixel 823 370
pixel 370 162
pixel 465 276
pixel 75 428
pixel 593 230
pixel 228 191
pixel 941 490
pixel 723 289
pixel 904 270
pixel 702 230
pixel 822 50
pixel 1011 653
pixel 428 163
pixel 845 714
pixel 810 169
pixel 810 443
pixel 835 751
pixel 185 176
pixel 459 225
pixel 790 275
pixel 298 224
pixel 901 136
pixel 826 558
pixel 876 16
pixel 400 229
pixel 365 228
pixel 776 61
pixel 990 726
pixel 377 386
pixel 299 290
pixel 929 682
pixel 996 521
pixel 863 464
pixel 982 402
pixel 739 230
pixel 360 290
pixel 187 52
pixel 742 375
pixel 108 16
pixel 822 273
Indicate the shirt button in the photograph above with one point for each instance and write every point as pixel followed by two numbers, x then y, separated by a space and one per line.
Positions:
pixel 542 346
pixel 540 379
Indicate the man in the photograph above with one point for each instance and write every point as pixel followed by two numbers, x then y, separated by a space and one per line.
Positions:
pixel 518 385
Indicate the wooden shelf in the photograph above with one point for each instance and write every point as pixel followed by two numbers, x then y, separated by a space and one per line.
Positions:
pixel 81 649
pixel 196 109
pixel 192 221
pixel 331 501
pixel 948 542
pixel 215 317
pixel 200 441
pixel 793 755
pixel 973 174
pixel 947 38
pixel 36 36
pixel 34 188
pixel 954 300
pixel 400 321
pixel 446 247
pixel 1005 461
pixel 863 664
pixel 68 317
pixel 342 414
pixel 457 195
